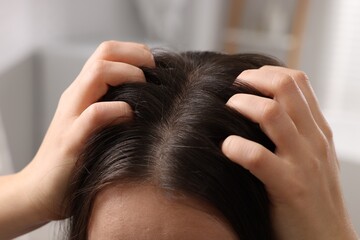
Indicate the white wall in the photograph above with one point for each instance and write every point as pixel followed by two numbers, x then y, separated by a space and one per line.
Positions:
pixel 16 106
pixel 15 32
pixel 313 56
pixel 5 163
pixel 16 77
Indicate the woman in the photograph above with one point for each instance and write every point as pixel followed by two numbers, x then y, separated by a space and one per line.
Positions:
pixel 304 158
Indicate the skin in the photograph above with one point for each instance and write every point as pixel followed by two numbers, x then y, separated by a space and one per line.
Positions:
pixel 144 212
pixel 306 199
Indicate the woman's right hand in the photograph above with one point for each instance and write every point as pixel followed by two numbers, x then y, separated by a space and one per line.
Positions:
pixel 79 114
pixel 302 175
pixel 36 195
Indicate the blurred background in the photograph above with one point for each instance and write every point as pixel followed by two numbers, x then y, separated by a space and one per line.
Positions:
pixel 43 45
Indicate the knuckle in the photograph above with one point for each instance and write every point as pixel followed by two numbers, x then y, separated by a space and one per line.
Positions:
pixel 126 109
pixel 267 67
pixel 98 69
pixel 328 132
pixel 106 48
pixel 271 111
pixel 256 157
pixel 142 45
pixel 147 56
pixel 64 95
pixel 322 144
pixel 284 83
pixel 67 95
pixel 94 114
pixel 300 75
pixel 246 73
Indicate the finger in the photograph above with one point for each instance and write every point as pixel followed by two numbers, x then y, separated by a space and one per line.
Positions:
pixel 261 162
pixel 303 82
pixel 99 115
pixel 132 53
pixel 270 115
pixel 93 84
pixel 284 90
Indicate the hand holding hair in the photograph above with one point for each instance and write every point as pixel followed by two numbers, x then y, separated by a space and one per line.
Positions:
pixel 35 195
pixel 302 176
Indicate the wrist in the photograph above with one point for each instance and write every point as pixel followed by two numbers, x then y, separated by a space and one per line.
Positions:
pixel 30 200
pixel 338 228
pixel 17 215
pixel 348 231
pixel 33 198
pixel 339 224
pixel 313 223
pixel 45 188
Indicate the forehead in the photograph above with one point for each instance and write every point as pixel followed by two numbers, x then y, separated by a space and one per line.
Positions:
pixel 133 212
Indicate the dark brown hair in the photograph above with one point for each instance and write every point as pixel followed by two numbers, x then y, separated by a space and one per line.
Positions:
pixel 174 141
